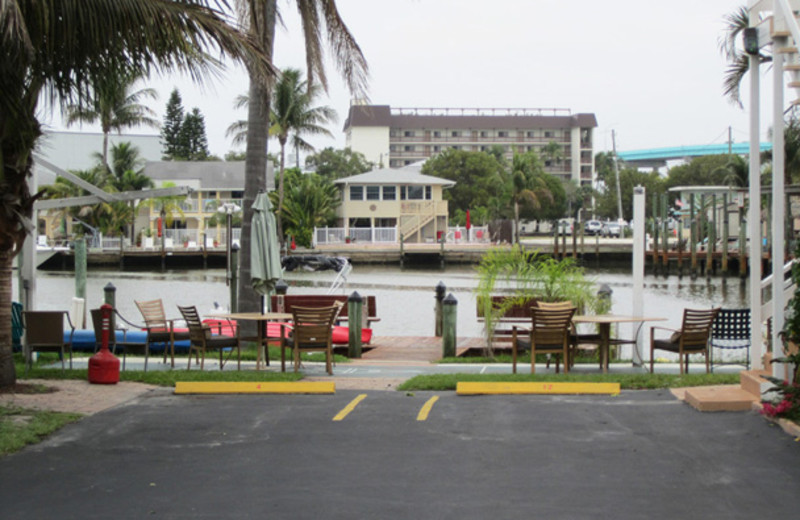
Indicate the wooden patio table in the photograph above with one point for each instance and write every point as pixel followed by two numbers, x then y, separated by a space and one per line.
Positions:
pixel 262 319
pixel 604 322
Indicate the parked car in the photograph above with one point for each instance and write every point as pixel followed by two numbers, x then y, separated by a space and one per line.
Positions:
pixel 611 229
pixel 593 227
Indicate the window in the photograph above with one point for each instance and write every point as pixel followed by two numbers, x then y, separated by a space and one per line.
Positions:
pixel 456 147
pixel 408 148
pixel 392 148
pixel 373 193
pixel 236 194
pixel 484 134
pixel 415 192
pixel 455 133
pixel 529 134
pixel 502 134
pixel 408 133
pixel 548 133
pixel 437 134
pixel 356 192
pixel 389 193
pixel 484 148
pixel 437 148
pixel 427 193
pixel 406 163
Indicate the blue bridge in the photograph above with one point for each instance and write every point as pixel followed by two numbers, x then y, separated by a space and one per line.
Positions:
pixel 659 156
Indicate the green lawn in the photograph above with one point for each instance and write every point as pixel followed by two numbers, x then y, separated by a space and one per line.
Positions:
pixel 626 381
pixel 20 427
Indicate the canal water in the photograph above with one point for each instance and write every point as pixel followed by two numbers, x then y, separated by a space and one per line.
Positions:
pixel 405 297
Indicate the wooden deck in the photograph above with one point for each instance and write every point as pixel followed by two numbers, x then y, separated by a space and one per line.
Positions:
pixel 413 349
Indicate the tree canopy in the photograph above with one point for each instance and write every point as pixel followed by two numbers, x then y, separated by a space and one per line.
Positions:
pixel 335 164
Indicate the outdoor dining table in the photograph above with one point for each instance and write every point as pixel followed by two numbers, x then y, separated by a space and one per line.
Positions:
pixel 604 322
pixel 262 319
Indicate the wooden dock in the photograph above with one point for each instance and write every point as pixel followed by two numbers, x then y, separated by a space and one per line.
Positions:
pixel 413 349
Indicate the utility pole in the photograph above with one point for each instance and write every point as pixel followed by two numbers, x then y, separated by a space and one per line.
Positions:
pixel 730 142
pixel 616 174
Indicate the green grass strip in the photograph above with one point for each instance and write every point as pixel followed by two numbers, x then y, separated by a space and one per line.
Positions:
pixel 20 427
pixel 626 381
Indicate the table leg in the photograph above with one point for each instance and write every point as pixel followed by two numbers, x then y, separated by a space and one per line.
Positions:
pixel 259 346
pixel 605 339
pixel 265 340
pixel 283 350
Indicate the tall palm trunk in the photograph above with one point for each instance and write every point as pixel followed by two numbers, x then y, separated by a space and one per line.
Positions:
pixel 8 374
pixel 516 222
pixel 279 212
pixel 262 26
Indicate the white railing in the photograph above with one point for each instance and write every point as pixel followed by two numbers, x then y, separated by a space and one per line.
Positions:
pixel 329 235
pixel 788 290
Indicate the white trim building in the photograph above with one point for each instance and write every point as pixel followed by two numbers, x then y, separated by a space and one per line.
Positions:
pixel 396 137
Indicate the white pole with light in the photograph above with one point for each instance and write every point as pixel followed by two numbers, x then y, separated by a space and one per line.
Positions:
pixel 639 238
pixel 751 46
pixel 228 209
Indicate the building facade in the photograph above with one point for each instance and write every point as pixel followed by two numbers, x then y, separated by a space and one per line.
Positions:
pixel 396 137
pixel 402 201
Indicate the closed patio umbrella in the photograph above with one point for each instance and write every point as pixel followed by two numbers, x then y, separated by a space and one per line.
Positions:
pixel 265 258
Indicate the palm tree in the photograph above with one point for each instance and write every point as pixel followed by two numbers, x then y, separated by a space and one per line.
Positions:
pixel 553 153
pixel 59 62
pixel 320 20
pixel 311 201
pixel 114 106
pixel 738 61
pixel 291 112
pixel 128 175
pixel 526 187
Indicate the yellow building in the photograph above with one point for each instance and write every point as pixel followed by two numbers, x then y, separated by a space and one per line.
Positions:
pixel 402 201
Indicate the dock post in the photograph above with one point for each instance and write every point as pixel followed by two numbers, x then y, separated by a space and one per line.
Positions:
pixel 234 306
pixel 693 231
pixel 449 314
pixel 725 223
pixel 402 255
pixel 441 289
pixel 742 240
pixel 574 242
pixel 110 295
pixel 441 253
pixel 563 244
pixel 205 251
pixel 711 226
pixel 655 214
pixel 80 276
pixel 355 305
pixel 555 240
pixel 665 235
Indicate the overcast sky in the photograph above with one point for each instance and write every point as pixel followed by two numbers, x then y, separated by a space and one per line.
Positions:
pixel 651 70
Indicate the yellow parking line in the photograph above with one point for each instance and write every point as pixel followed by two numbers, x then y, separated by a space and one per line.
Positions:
pixel 349 408
pixel 474 388
pixel 426 408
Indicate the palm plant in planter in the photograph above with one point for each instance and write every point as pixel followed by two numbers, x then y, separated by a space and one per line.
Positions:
pixel 522 276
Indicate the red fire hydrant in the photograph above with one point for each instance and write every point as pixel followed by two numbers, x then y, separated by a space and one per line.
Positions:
pixel 104 366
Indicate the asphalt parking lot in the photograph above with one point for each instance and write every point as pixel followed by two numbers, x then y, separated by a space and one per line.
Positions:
pixel 398 455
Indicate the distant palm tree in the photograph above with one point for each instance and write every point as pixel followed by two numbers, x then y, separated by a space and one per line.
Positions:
pixel 552 152
pixel 291 112
pixel 114 106
pixel 127 168
pixel 526 187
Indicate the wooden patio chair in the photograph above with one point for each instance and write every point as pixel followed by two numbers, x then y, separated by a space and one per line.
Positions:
pixel 312 331
pixel 692 338
pixel 577 340
pixel 159 328
pixel 549 334
pixel 44 332
pixel 201 339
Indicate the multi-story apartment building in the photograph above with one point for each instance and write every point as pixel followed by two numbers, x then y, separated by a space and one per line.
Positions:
pixel 397 137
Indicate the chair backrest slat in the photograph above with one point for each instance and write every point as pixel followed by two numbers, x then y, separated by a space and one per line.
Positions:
pixel 313 325
pixel 696 328
pixel 551 326
pixel 197 333
pixel 153 313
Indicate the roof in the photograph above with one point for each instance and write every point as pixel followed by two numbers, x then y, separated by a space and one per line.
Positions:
pixel 407 175
pixel 220 175
pixel 381 115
